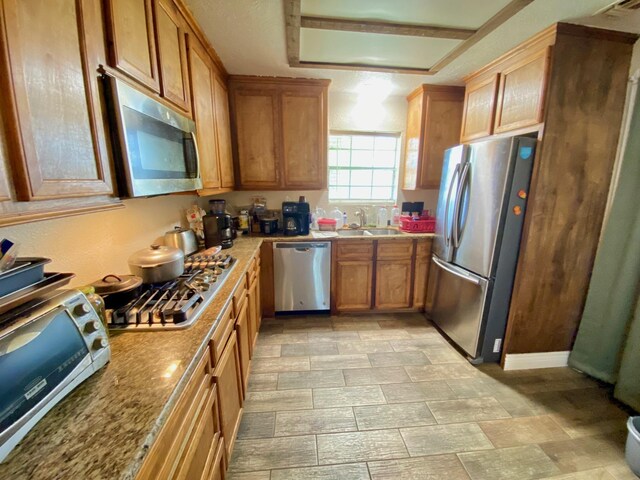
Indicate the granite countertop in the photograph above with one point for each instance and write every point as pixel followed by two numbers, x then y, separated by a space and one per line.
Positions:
pixel 104 428
pixel 280 237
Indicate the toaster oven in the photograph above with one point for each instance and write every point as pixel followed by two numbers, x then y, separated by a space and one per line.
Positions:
pixel 46 350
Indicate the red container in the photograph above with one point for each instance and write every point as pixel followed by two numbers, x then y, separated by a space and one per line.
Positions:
pixel 424 224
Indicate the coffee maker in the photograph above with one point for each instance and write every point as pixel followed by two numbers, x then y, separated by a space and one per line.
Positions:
pixel 218 226
pixel 296 218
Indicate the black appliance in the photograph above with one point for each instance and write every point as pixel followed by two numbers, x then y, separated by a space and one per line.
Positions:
pixel 296 218
pixel 218 226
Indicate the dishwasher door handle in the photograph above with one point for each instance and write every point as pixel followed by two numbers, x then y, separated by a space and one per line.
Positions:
pixel 302 249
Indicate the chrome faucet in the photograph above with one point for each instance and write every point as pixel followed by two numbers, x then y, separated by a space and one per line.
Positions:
pixel 362 217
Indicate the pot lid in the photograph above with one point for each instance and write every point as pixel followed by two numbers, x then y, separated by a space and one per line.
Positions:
pixel 177 230
pixel 116 283
pixel 156 255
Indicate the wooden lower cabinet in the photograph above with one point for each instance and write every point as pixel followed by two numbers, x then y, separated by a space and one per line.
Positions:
pixel 393 284
pixel 354 279
pixel 218 467
pixel 228 378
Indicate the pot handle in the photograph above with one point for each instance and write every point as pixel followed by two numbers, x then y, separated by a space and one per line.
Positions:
pixel 111 275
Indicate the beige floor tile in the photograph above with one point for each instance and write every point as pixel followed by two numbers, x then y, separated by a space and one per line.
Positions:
pixel 265 475
pixel 316 337
pixel 375 376
pixel 587 452
pixel 438 439
pixel 351 326
pixel 347 396
pixel 467 410
pixel 582 424
pixel 384 335
pixel 398 359
pixel 417 344
pixel 270 329
pixel 597 474
pixel 522 463
pixel 311 379
pixel 522 431
pixel 262 381
pixel 416 392
pixel 276 400
pixel 423 373
pixel 472 387
pixel 329 362
pixel 267 454
pixel 360 446
pixel 307 349
pixel 265 351
pixel 399 415
pixel 308 324
pixel 401 322
pixel 351 471
pixel 280 364
pixel 363 347
pixel 520 405
pixel 282 338
pixel 257 425
pixel 437 467
pixel 621 471
pixel 443 354
pixel 319 420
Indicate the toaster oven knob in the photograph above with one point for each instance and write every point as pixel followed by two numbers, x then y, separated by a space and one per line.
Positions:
pixel 99 343
pixel 81 309
pixel 91 326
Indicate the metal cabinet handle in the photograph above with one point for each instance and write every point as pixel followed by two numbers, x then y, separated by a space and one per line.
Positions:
pixel 458 274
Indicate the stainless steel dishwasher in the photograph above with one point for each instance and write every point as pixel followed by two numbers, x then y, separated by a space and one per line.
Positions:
pixel 302 276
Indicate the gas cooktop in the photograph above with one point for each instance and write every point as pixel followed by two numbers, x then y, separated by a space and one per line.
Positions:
pixel 176 304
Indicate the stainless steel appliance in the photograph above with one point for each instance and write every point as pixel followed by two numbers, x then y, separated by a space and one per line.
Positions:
pixel 46 350
pixel 296 218
pixel 182 238
pixel 480 214
pixel 176 304
pixel 157 263
pixel 154 145
pixel 302 276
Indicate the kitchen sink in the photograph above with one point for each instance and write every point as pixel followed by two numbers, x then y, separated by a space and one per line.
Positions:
pixel 352 233
pixel 368 232
pixel 383 231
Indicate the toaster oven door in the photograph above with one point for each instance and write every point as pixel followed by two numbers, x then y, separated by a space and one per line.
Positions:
pixel 37 360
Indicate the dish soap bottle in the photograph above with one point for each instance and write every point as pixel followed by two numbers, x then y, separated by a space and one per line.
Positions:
pixel 395 216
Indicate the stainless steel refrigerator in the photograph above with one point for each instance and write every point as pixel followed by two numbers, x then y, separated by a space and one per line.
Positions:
pixel 483 195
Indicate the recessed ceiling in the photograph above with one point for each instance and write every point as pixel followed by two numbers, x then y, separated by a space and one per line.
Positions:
pixel 250 38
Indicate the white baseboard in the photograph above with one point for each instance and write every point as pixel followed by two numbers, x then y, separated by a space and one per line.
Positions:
pixel 526 361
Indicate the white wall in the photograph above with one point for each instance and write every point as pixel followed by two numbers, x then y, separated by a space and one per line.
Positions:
pixel 346 112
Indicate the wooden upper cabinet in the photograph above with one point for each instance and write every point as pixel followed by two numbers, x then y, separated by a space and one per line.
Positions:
pixel 256 113
pixel 279 127
pixel 479 108
pixel 522 91
pixel 304 131
pixel 433 124
pixel 51 103
pixel 132 44
pixel 171 41
pixel 223 132
pixel 202 85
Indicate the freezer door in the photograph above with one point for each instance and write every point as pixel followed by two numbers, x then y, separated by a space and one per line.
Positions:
pixel 458 303
pixel 479 204
pixel 454 159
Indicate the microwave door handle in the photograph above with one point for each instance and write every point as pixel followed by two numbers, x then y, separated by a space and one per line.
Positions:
pixel 195 149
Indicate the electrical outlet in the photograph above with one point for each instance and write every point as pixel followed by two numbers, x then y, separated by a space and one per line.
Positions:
pixel 497 344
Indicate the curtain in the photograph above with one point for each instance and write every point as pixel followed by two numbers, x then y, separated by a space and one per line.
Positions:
pixel 607 345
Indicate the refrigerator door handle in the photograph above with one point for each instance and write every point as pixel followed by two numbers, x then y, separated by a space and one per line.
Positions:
pixel 456 209
pixel 447 237
pixel 456 272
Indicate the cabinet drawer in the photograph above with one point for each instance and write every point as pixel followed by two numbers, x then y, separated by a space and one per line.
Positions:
pixel 423 248
pixel 395 249
pixel 354 250
pixel 221 335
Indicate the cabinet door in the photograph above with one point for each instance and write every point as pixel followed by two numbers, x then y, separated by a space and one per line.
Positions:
pixel 421 281
pixel 442 127
pixel 479 108
pixel 172 53
pixel 252 314
pixel 521 94
pixel 217 471
pixel 304 140
pixel 132 43
pixel 393 284
pixel 413 142
pixel 256 116
pixel 353 285
pixel 258 301
pixel 223 132
pixel 55 130
pixel 244 344
pixel 202 85
pixel 227 376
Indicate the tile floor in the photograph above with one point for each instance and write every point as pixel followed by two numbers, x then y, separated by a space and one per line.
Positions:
pixel 386 397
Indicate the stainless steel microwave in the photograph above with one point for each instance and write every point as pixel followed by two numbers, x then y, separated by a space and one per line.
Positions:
pixel 46 350
pixel 155 147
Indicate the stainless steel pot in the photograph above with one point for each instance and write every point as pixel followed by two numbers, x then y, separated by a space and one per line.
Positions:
pixel 157 264
pixel 182 238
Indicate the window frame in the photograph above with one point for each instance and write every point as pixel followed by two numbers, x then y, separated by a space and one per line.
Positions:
pixel 396 169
